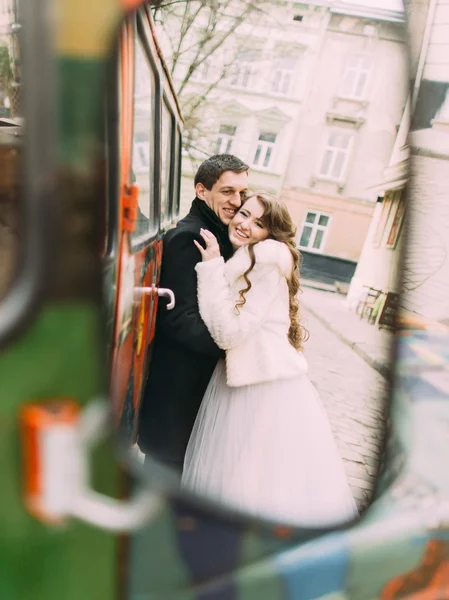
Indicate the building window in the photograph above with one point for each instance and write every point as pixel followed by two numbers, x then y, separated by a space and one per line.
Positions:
pixel 244 69
pixel 387 204
pixel 336 154
pixel 204 71
pixel 264 150
pixel 141 153
pixel 166 162
pixel 314 231
pixel 143 141
pixel 283 75
pixel 225 139
pixel 398 220
pixel 442 115
pixel 355 77
pixel 241 76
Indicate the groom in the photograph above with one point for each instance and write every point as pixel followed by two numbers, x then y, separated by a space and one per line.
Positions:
pixel 184 354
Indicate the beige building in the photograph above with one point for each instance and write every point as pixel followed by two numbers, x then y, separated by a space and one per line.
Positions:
pixel 345 137
pixel 423 275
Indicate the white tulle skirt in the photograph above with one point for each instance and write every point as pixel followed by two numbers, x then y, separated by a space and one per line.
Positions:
pixel 268 449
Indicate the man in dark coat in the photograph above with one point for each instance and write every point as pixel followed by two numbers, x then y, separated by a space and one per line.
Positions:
pixel 184 354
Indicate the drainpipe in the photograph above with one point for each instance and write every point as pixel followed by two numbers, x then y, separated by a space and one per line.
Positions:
pixel 423 52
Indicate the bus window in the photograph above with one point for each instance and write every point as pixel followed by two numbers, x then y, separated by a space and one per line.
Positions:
pixel 166 153
pixel 176 174
pixel 143 142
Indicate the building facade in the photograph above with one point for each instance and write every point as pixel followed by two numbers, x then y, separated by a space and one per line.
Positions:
pixel 345 137
pixel 420 270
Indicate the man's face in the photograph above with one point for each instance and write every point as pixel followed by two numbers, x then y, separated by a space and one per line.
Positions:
pixel 225 197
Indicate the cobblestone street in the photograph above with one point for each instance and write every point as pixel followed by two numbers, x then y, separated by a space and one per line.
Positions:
pixel 354 395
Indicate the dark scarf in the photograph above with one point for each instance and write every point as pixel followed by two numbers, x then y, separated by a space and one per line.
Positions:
pixel 219 229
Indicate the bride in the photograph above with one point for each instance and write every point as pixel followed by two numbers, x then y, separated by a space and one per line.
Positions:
pixel 262 441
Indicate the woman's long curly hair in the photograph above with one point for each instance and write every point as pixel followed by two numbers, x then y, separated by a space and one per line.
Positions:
pixel 281 228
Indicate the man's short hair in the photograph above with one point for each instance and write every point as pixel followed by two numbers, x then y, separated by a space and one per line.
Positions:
pixel 212 169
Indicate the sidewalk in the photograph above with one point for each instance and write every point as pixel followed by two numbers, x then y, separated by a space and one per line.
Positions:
pixel 369 342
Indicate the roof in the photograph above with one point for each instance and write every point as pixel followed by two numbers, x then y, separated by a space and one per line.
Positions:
pixel 369 12
pixel 352 9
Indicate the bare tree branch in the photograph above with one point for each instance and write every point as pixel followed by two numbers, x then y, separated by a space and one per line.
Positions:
pixel 187 22
pixel 214 47
pixel 192 28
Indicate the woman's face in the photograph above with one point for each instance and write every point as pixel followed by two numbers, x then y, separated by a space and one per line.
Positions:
pixel 247 227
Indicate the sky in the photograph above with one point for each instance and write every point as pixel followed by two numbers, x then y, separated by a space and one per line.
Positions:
pixel 392 4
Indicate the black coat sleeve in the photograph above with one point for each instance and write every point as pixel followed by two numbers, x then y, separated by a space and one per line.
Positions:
pixel 183 324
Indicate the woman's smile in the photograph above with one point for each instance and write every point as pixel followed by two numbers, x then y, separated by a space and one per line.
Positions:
pixel 240 233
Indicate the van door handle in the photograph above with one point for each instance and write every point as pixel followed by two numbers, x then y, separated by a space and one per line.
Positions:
pixel 161 292
pixel 166 293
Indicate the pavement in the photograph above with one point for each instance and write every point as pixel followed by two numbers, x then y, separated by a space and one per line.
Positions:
pixel 348 363
pixel 372 344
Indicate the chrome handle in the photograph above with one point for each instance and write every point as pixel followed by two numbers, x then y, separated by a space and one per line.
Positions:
pixel 166 293
pixel 161 292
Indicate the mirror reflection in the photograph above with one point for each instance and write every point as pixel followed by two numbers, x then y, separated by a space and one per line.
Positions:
pixel 265 385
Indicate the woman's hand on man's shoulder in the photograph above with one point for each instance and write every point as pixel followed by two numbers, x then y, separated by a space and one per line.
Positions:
pixel 212 249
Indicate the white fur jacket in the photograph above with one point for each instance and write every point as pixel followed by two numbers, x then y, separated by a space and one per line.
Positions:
pixel 255 337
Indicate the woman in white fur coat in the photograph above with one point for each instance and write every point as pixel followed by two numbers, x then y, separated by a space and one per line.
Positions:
pixel 262 441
